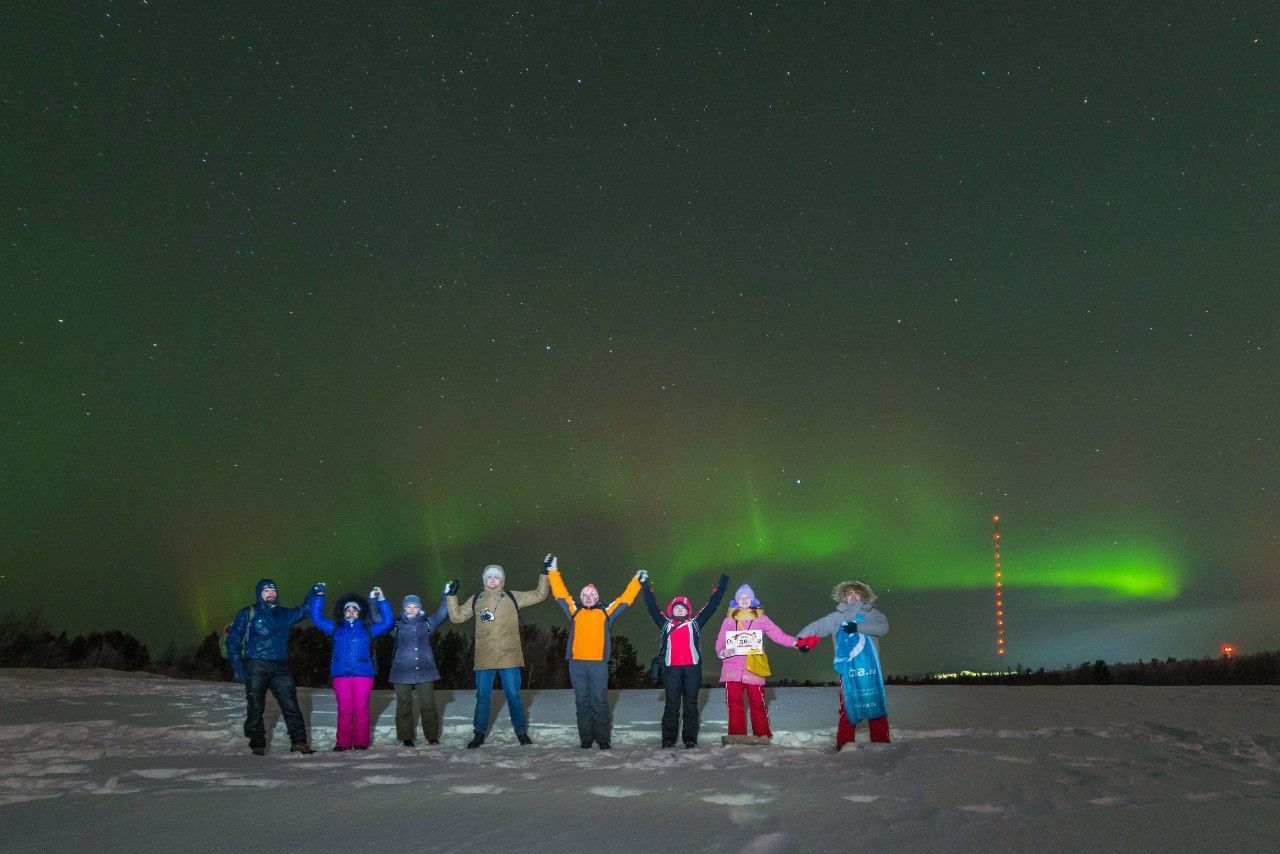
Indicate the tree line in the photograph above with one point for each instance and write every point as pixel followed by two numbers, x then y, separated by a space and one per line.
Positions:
pixel 1259 668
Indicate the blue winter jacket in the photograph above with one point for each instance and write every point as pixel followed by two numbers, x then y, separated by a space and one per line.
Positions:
pixel 414 660
pixel 352 639
pixel 267 635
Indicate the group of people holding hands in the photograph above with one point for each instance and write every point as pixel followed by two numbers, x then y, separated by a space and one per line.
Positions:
pixel 257 649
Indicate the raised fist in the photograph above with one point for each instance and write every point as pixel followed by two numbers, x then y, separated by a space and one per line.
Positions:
pixel 451 589
pixel 377 595
pixel 549 563
pixel 642 576
pixel 318 589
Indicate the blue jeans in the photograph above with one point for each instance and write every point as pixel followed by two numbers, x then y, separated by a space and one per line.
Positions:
pixel 510 677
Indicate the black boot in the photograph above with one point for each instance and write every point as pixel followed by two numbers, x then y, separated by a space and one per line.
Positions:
pixel 476 742
pixel 604 745
pixel 304 749
pixel 408 742
pixel 666 743
pixel 523 738
pixel 689 745
pixel 586 744
pixel 262 751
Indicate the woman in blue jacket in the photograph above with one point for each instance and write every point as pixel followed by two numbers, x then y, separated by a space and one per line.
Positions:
pixel 352 664
pixel 413 668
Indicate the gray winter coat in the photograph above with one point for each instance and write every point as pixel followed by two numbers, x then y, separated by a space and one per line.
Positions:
pixel 414 662
pixel 873 624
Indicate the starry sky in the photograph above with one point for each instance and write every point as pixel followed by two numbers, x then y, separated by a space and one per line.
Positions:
pixel 381 293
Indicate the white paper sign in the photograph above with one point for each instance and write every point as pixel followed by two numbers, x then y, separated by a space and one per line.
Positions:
pixel 744 642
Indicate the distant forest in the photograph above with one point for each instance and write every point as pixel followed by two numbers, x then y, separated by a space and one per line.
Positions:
pixel 28 641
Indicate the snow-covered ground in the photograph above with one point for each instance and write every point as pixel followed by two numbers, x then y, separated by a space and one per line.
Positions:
pixel 98 761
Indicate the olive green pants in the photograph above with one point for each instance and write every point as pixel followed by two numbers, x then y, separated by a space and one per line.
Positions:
pixel 405 717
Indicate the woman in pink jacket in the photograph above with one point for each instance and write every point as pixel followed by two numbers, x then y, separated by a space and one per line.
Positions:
pixel 745 674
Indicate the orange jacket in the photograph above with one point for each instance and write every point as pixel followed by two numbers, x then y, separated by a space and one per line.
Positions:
pixel 589 628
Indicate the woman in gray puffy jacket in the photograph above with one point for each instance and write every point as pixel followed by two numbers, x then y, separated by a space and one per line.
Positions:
pixel 413 669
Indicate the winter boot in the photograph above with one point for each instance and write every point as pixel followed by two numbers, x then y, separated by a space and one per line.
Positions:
pixel 586 744
pixel 604 745
pixel 523 738
pixel 476 742
pixel 689 745
pixel 258 751
pixel 408 742
pixel 435 742
pixel 666 743
pixel 362 747
pixel 304 749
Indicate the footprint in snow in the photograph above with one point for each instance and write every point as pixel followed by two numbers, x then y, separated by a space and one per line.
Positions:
pixel 989 809
pixel 384 780
pixel 862 799
pixel 1109 801
pixel 615 792
pixel 744 800
pixel 483 789
pixel 163 773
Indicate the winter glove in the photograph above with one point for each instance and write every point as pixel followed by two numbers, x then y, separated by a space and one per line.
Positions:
pixel 451 589
pixel 549 563
pixel 850 628
pixel 642 576
pixel 377 595
pixel 318 589
pixel 807 643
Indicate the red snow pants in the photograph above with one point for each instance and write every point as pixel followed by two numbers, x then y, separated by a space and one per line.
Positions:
pixel 845 729
pixel 733 697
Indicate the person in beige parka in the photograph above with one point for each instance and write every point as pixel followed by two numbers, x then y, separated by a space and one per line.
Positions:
pixel 496 612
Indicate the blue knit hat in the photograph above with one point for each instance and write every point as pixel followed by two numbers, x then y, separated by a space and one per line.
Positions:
pixel 411 600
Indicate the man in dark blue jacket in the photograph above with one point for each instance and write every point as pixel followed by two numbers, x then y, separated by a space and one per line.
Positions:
pixel 257 645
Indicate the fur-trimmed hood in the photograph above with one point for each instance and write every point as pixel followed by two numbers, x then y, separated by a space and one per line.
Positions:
pixel 844 588
pixel 351 598
pixel 746 614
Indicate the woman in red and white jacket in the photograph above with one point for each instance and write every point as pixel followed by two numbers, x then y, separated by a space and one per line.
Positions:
pixel 745 674
pixel 681 659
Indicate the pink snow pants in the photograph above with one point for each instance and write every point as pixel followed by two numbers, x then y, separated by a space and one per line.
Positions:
pixel 352 693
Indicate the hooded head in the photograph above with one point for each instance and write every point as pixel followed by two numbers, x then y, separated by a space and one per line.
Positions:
pixel 746 597
pixel 265 592
pixel 415 602
pixel 340 607
pixel 679 602
pixel 493 571
pixel 589 596
pixel 844 588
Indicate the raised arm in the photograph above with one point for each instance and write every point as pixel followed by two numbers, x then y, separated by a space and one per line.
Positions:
pixel 322 622
pixel 704 616
pixel 525 598
pixel 460 613
pixel 623 602
pixel 441 614
pixel 652 604
pixel 235 644
pixel 303 611
pixel 386 619
pixel 561 593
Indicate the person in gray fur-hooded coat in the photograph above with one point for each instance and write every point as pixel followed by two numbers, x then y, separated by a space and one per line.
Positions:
pixel 855 612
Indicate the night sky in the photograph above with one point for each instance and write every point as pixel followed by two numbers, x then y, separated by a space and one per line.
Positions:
pixel 368 293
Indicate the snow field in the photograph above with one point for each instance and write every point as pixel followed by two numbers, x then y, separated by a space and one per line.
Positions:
pixel 971 769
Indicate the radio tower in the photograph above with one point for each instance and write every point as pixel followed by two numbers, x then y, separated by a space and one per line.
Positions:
pixel 999 579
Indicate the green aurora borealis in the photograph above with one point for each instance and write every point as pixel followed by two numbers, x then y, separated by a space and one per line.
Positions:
pixel 384 294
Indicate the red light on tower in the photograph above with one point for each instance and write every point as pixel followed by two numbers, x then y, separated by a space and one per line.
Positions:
pixel 999 586
pixel 1228 650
